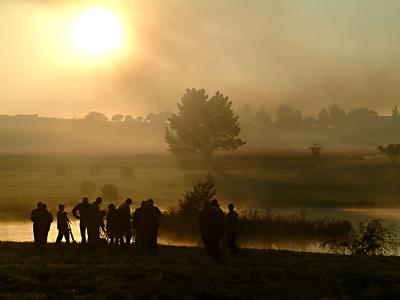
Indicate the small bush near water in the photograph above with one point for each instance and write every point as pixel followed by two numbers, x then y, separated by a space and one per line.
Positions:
pixel 375 238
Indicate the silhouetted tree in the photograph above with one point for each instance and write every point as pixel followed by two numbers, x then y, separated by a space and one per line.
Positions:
pixel 193 200
pixel 140 119
pixel 128 118
pixel 202 125
pixel 246 116
pixel 96 116
pixel 117 118
pixel 109 192
pixel 362 113
pixel 323 116
pixel 261 117
pixel 336 114
pixel 391 150
pixel 286 115
pixel 88 187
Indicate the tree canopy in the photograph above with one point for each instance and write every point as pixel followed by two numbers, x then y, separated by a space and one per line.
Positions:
pixel 203 125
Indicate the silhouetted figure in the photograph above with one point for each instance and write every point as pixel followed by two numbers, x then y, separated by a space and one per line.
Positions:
pixel 47 219
pixel 112 224
pixel 139 224
pixel 125 230
pixel 151 216
pixel 95 221
pixel 212 225
pixel 38 223
pixel 62 225
pixel 231 228
pixel 83 209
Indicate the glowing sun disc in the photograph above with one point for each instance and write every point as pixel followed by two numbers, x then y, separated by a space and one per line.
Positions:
pixel 97 31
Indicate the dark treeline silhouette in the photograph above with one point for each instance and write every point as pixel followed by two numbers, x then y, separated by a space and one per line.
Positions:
pixel 259 127
pixel 95 132
pixel 332 126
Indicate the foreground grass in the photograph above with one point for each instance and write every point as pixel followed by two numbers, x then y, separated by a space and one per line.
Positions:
pixel 187 273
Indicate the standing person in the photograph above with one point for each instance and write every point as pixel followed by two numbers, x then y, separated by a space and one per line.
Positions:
pixel 47 220
pixel 83 209
pixel 138 224
pixel 212 225
pixel 152 216
pixel 231 228
pixel 38 224
pixel 62 225
pixel 95 221
pixel 112 224
pixel 125 222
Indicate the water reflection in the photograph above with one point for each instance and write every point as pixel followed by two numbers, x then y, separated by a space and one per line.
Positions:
pixel 22 231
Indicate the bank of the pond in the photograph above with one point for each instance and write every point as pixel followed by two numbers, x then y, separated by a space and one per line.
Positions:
pixel 22 232
pixel 187 273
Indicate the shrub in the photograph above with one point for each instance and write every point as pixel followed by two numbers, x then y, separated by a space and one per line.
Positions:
pixel 126 172
pixel 60 170
pixel 109 192
pixel 88 187
pixel 374 239
pixel 316 151
pixel 392 151
pixel 193 200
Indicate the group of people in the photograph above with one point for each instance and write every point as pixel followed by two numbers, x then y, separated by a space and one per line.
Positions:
pixel 116 225
pixel 213 225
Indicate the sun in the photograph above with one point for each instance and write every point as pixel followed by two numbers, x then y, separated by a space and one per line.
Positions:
pixel 97 31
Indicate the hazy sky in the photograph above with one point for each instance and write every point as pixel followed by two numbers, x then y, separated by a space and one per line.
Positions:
pixel 307 53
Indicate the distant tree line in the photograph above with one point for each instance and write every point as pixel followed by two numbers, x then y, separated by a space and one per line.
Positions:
pixel 287 116
pixel 201 125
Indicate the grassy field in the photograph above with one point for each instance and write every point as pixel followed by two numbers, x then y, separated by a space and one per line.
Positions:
pixel 256 181
pixel 187 273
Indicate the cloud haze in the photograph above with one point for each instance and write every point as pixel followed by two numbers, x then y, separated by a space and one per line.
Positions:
pixel 307 53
